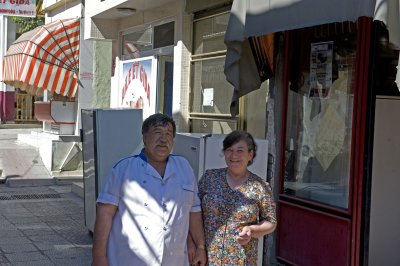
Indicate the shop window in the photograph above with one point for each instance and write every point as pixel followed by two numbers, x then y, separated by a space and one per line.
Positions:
pixel 319 114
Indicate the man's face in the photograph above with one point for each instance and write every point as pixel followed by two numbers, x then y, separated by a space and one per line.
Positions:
pixel 158 142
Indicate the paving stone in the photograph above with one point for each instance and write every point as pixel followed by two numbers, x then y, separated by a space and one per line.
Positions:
pixel 64 252
pixel 14 240
pixel 26 220
pixel 73 261
pixel 50 245
pixel 3 259
pixel 11 233
pixel 12 248
pixel 34 232
pixel 51 238
pixel 36 263
pixel 6 225
pixel 25 257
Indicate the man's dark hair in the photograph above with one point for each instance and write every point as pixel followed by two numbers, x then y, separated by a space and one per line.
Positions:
pixel 238 135
pixel 158 120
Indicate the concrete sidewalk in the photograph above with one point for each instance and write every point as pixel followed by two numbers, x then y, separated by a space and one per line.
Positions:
pixel 41 221
pixel 19 160
pixel 43 226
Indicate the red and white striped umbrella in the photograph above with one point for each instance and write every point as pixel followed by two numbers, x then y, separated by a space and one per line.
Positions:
pixel 45 58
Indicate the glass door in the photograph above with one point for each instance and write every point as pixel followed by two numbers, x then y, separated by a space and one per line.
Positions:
pixel 319 117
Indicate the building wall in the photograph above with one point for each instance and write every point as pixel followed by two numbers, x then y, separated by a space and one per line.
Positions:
pixel 95 7
pixel 182 53
pixel 7 93
pixel 102 71
pixel 111 30
pixel 55 10
pixel 103 25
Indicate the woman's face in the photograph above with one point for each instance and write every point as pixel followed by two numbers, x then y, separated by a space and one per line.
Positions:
pixel 238 156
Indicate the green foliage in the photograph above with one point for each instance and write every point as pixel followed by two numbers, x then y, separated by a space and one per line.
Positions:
pixel 27 24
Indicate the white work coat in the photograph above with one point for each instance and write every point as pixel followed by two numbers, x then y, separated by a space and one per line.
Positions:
pixel 152 220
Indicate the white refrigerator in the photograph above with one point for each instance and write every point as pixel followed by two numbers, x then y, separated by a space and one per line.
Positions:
pixel 384 233
pixel 107 136
pixel 204 151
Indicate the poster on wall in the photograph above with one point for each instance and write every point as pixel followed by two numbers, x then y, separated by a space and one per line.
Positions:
pixel 321 69
pixel 138 84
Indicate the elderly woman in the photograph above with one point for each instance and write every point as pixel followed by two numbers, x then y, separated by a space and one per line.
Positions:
pixel 237 205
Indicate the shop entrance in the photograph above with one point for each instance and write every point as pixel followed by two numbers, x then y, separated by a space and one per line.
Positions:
pixel 321 185
pixel 24 107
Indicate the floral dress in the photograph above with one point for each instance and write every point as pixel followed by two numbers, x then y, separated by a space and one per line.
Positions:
pixel 226 211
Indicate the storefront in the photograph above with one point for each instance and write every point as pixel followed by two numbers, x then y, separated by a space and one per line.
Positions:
pixel 185 40
pixel 335 96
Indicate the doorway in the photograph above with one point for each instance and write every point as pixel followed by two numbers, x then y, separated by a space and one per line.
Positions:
pixel 166 84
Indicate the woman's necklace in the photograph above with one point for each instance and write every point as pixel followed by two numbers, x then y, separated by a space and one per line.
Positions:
pixel 237 181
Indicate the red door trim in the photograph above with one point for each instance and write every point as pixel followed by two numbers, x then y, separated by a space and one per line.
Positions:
pixel 361 79
pixel 359 133
pixel 285 81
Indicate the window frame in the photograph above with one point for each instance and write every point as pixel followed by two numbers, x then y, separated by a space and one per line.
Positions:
pixel 202 57
pixel 165 50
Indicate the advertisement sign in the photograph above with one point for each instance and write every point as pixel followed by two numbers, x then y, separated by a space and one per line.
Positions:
pixel 137 87
pixel 18 8
pixel 321 69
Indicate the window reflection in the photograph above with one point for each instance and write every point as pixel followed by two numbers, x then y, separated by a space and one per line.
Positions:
pixel 318 129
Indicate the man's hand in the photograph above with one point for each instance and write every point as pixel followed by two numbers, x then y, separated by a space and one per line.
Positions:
pixel 201 257
pixel 244 236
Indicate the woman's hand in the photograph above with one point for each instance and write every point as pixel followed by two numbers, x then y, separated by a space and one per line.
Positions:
pixel 244 236
pixel 191 248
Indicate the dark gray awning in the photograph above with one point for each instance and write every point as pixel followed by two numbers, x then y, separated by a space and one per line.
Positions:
pixel 251 18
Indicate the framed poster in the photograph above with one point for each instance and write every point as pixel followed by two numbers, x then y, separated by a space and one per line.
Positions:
pixel 137 86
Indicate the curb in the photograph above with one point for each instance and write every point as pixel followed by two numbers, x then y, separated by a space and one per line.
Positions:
pixel 28 182
pixel 20 126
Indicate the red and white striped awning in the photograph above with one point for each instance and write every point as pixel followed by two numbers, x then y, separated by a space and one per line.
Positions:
pixel 46 58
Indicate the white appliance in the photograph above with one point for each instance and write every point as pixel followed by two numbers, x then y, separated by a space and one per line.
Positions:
pixel 107 136
pixel 204 151
pixel 384 233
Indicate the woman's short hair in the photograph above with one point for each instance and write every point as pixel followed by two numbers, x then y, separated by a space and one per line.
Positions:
pixel 156 120
pixel 238 135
